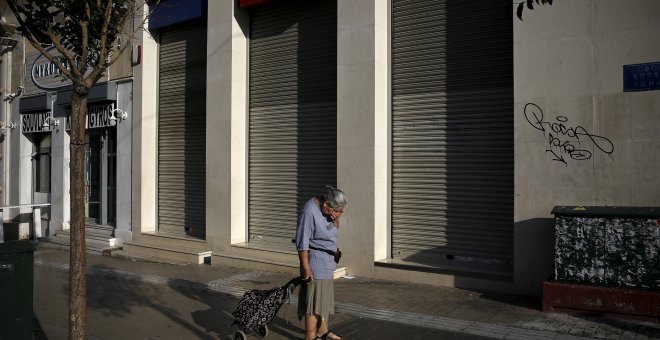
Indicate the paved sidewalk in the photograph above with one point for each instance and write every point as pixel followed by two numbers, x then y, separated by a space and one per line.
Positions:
pixel 148 300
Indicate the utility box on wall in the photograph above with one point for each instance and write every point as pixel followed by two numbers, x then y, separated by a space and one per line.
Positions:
pixel 606 260
pixel 609 246
pixel 16 283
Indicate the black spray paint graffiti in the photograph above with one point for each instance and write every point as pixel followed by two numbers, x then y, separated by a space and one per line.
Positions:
pixel 564 139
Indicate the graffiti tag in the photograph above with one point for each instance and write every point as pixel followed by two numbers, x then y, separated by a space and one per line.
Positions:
pixel 564 139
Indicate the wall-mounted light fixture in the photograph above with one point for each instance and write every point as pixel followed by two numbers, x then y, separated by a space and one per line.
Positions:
pixel 50 121
pixel 10 97
pixel 118 114
pixel 7 125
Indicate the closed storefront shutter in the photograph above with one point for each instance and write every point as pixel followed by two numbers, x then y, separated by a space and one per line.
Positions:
pixel 452 133
pixel 293 120
pixel 182 130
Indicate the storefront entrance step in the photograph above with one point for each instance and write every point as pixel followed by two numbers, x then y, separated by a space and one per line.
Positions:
pixel 100 228
pixel 265 250
pixel 171 252
pixel 177 241
pixel 92 246
pixel 256 260
pixel 269 264
pixel 104 239
pixel 91 232
pixel 339 272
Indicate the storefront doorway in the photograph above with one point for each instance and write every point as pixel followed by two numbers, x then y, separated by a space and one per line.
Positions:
pixel 101 176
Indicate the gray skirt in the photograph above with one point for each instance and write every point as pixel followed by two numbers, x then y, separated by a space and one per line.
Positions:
pixel 316 297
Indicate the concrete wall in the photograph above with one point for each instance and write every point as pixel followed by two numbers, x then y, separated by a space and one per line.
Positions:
pixel 123 68
pixel 568 61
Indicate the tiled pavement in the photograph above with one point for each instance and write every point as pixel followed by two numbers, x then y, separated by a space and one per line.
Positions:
pixel 147 300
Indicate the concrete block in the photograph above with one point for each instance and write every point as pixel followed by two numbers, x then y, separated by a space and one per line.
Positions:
pixel 175 253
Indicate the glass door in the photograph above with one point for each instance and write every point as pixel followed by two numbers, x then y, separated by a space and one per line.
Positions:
pixel 101 176
pixel 93 152
pixel 111 176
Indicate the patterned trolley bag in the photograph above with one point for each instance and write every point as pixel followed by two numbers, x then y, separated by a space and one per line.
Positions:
pixel 257 308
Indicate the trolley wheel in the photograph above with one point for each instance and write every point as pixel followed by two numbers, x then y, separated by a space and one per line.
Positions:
pixel 240 335
pixel 263 331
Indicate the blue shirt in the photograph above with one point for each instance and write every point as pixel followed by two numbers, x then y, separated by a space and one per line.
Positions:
pixel 317 231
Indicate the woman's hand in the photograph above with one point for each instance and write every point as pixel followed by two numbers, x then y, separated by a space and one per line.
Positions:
pixel 335 215
pixel 308 275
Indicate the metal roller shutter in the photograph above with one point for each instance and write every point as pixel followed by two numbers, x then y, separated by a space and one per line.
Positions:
pixel 452 133
pixel 292 123
pixel 182 130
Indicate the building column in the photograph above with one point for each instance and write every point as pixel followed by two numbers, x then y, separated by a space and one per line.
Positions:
pixel 144 121
pixel 226 115
pixel 123 180
pixel 21 174
pixel 60 176
pixel 362 131
pixel 5 131
pixel 5 116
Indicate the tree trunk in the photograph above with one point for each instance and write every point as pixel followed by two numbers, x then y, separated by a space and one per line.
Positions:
pixel 77 256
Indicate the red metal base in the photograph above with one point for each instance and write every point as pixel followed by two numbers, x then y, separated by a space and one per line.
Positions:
pixel 615 300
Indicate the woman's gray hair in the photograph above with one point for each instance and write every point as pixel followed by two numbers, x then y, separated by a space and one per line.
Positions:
pixel 335 197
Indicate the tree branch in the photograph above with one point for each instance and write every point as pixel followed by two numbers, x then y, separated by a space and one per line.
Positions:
pixel 101 63
pixel 84 48
pixel 36 43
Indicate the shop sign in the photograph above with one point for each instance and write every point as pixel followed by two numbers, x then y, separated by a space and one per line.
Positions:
pixel 34 122
pixel 98 116
pixel 45 74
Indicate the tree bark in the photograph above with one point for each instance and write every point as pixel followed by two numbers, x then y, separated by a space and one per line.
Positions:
pixel 77 255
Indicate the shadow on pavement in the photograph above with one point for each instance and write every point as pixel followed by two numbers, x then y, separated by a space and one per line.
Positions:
pixel 38 332
pixel 117 296
pixel 643 326
pixel 218 319
pixel 522 301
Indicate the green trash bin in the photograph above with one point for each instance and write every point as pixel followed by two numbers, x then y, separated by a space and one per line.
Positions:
pixel 16 282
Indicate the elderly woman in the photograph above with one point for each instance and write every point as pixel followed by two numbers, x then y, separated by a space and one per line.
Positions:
pixel 316 241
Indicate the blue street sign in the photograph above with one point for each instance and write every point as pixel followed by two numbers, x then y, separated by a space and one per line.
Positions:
pixel 641 77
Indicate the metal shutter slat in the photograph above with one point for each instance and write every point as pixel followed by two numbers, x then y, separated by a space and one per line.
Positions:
pixel 292 122
pixel 452 133
pixel 182 131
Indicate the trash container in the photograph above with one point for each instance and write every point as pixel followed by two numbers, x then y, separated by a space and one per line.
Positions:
pixel 16 282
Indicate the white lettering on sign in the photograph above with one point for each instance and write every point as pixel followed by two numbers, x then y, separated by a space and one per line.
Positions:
pixel 45 74
pixel 34 122
pixel 45 70
pixel 98 116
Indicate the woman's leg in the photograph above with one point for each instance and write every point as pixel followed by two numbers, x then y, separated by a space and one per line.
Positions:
pixel 323 329
pixel 324 326
pixel 312 324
